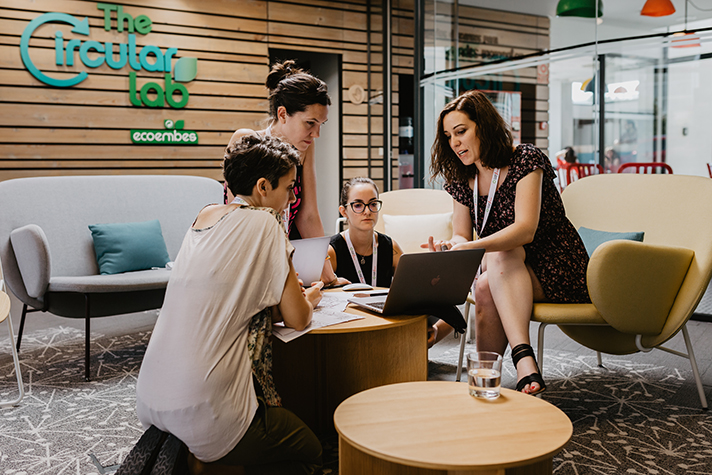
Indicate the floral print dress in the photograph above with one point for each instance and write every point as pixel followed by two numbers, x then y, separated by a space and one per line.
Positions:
pixel 557 254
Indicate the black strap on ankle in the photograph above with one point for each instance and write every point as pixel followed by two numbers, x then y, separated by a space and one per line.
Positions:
pixel 522 351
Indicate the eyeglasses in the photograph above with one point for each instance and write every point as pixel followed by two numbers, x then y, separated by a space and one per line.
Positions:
pixel 359 207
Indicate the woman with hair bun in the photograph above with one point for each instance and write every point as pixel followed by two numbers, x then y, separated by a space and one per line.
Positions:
pixel 298 107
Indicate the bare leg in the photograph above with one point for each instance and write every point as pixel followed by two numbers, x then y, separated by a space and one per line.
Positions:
pixel 489 333
pixel 512 287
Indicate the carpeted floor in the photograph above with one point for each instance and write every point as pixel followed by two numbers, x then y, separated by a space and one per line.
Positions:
pixel 629 418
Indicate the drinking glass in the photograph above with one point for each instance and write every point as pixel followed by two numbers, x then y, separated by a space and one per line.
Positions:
pixel 484 374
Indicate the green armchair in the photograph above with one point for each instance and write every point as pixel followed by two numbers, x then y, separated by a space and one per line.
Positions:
pixel 642 293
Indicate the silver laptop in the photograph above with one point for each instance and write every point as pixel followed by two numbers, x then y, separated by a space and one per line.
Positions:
pixel 426 280
pixel 309 256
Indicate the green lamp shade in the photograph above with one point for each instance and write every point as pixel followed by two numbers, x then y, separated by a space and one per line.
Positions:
pixel 580 8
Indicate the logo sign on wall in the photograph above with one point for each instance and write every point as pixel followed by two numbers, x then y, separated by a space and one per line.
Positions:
pixel 93 54
pixel 173 135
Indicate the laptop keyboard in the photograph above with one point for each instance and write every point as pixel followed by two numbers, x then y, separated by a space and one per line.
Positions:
pixel 377 304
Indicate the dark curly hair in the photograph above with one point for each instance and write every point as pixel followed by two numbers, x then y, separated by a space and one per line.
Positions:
pixel 294 89
pixel 254 157
pixel 494 135
pixel 353 182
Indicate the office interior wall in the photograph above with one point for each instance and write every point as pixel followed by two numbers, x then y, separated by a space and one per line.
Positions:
pixel 84 129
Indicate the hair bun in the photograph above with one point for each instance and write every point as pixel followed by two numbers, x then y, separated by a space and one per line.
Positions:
pixel 280 71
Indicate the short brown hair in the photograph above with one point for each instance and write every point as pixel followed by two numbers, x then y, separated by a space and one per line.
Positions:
pixel 493 133
pixel 254 157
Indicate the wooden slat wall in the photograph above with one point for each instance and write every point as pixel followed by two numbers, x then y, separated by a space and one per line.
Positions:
pixel 85 129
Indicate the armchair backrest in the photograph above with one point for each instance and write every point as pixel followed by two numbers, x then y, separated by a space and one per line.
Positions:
pixel 674 210
pixel 414 202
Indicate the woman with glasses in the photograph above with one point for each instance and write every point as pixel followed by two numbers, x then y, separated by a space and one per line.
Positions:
pixel 352 252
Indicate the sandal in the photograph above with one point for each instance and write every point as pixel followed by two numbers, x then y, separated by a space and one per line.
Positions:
pixel 522 351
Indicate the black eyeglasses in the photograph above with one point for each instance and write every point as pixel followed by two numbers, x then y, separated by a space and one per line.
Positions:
pixel 359 207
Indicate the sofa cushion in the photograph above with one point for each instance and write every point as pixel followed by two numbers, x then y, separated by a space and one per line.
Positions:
pixel 593 238
pixel 410 231
pixel 127 282
pixel 124 247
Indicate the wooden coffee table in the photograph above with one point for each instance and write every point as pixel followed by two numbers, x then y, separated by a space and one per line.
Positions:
pixel 436 427
pixel 316 372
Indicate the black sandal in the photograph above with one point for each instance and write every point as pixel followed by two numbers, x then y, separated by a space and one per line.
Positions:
pixel 522 351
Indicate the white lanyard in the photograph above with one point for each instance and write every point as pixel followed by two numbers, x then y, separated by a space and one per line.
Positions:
pixel 239 201
pixel 352 251
pixel 488 208
pixel 490 199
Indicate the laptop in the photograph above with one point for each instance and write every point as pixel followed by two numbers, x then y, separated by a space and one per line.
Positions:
pixel 309 256
pixel 426 280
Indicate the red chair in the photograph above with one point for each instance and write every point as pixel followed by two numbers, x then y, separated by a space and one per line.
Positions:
pixel 570 172
pixel 646 167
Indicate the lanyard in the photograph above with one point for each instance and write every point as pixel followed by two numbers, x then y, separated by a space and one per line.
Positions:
pixel 352 251
pixel 490 199
pixel 285 219
pixel 488 208
pixel 239 201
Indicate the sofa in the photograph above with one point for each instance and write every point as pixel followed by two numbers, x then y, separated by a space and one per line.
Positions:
pixel 47 251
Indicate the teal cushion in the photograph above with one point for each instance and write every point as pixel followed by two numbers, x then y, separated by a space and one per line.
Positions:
pixel 593 238
pixel 123 247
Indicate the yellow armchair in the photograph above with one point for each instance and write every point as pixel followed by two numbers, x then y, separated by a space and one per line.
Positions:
pixel 642 293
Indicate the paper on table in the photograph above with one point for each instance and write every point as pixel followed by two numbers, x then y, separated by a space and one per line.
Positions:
pixel 328 312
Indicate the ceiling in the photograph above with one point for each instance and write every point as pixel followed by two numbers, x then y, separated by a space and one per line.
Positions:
pixel 621 13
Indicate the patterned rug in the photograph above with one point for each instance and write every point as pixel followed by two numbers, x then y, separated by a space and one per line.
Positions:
pixel 66 425
pixel 629 417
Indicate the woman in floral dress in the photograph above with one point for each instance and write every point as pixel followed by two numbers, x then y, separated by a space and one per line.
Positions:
pixel 507 194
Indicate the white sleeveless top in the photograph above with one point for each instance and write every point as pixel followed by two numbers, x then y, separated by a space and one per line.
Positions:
pixel 196 379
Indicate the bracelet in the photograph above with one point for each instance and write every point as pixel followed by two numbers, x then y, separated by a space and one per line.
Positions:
pixel 326 286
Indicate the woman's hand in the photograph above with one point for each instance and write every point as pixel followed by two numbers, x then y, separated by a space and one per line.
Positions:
pixel 338 282
pixel 435 246
pixel 313 293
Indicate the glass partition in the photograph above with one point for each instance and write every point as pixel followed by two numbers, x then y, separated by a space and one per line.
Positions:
pixel 614 99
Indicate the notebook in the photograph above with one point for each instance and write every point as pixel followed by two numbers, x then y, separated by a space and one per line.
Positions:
pixel 426 280
pixel 309 256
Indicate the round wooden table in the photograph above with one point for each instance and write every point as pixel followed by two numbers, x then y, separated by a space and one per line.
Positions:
pixel 436 427
pixel 316 372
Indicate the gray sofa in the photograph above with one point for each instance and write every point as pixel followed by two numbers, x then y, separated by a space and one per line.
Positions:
pixel 49 261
